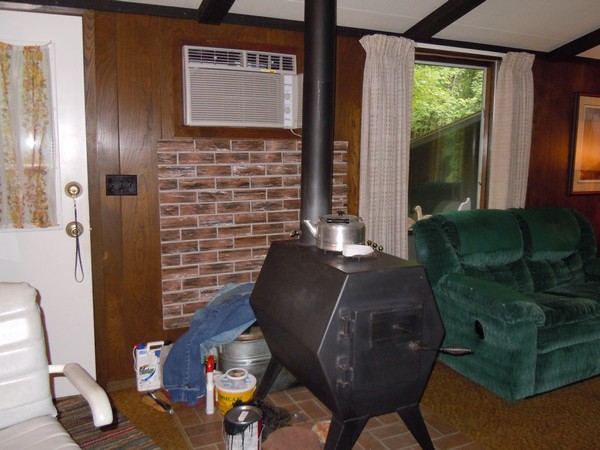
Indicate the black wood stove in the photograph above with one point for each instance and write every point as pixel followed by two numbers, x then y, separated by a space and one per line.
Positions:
pixel 360 333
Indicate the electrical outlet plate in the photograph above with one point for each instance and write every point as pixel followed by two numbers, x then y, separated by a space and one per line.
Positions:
pixel 121 184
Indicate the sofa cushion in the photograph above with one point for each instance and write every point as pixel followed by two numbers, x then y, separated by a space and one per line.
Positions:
pixel 552 238
pixel 484 236
pixel 550 234
pixel 489 245
pixel 560 309
pixel 548 274
pixel 514 275
pixel 589 290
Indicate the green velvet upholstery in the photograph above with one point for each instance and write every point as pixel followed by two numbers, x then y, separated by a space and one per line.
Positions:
pixel 519 287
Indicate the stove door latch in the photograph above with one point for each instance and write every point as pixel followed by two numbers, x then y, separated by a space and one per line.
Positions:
pixel 343 362
pixel 348 326
pixel 345 373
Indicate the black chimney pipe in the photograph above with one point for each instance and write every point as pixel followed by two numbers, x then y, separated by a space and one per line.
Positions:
pixel 317 112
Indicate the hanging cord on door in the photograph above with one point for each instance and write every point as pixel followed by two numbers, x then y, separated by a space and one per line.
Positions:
pixel 78 261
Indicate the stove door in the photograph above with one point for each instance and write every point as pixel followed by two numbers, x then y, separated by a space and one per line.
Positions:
pixel 382 354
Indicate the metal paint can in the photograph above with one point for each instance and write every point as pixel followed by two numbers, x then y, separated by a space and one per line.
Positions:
pixel 242 428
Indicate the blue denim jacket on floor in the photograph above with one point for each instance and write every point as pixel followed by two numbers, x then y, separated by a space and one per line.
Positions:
pixel 225 317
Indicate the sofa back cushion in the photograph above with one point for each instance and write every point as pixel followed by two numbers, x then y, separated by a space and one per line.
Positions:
pixel 486 244
pixel 552 239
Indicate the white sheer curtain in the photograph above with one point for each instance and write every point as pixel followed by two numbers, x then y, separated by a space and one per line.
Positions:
pixel 385 140
pixel 511 132
pixel 27 146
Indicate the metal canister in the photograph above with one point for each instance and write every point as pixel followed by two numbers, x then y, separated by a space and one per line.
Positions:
pixel 242 428
pixel 250 351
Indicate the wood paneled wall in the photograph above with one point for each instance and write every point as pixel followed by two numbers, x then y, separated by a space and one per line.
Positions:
pixel 556 86
pixel 134 100
pixel 136 70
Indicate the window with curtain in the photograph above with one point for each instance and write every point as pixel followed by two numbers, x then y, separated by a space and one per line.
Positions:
pixel 449 133
pixel 28 159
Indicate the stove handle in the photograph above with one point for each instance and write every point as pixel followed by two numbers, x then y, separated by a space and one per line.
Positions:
pixel 453 350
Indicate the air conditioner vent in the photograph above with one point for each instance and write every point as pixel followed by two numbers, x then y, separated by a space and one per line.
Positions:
pixel 240 88
pixel 242 59
pixel 216 56
pixel 235 98
pixel 271 61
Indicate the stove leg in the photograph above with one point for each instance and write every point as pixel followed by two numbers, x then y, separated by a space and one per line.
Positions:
pixel 411 415
pixel 343 435
pixel 271 373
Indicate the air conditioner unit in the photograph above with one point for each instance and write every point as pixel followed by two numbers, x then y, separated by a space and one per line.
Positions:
pixel 240 88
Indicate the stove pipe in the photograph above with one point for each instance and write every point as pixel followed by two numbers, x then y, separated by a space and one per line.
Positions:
pixel 318 112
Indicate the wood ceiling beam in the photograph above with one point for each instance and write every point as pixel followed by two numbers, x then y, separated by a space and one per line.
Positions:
pixel 214 11
pixel 106 5
pixel 577 46
pixel 439 19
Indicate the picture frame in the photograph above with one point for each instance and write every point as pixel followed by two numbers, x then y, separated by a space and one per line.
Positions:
pixel 585 152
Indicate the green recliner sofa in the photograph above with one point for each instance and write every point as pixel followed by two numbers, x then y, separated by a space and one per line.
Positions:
pixel 521 288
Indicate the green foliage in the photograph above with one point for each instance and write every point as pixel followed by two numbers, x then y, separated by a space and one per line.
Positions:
pixel 443 95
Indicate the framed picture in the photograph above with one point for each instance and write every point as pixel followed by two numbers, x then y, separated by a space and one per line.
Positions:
pixel 585 154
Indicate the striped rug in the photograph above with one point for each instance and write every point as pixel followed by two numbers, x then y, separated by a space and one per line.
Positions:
pixel 74 414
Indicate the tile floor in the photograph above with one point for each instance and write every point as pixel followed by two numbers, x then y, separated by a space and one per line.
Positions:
pixel 386 432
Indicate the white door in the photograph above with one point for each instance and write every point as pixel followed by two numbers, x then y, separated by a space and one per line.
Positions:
pixel 46 258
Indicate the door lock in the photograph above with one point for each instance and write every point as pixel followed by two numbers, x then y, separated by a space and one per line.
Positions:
pixel 73 189
pixel 74 229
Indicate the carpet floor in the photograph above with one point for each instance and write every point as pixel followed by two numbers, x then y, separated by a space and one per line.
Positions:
pixel 563 419
pixel 566 418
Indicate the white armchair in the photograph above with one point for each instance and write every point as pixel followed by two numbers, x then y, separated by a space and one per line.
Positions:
pixel 27 413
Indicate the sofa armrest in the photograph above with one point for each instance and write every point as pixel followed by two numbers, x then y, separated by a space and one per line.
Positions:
pixel 499 324
pixel 591 269
pixel 89 389
pixel 491 299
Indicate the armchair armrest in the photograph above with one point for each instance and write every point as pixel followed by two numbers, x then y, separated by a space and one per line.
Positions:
pixel 90 390
pixel 490 298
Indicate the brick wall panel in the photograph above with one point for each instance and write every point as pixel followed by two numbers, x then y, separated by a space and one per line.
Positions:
pixel 250 194
pixel 195 158
pixel 270 157
pixel 198 233
pixel 178 248
pixel 167 185
pixel 193 184
pixel 199 282
pixel 197 258
pixel 233 183
pixel 222 203
pixel 196 209
pixel 170 235
pixel 215 244
pixel 241 277
pixel 235 255
pixel 207 196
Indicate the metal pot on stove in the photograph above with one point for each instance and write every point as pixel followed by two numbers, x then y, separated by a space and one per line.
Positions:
pixel 334 231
